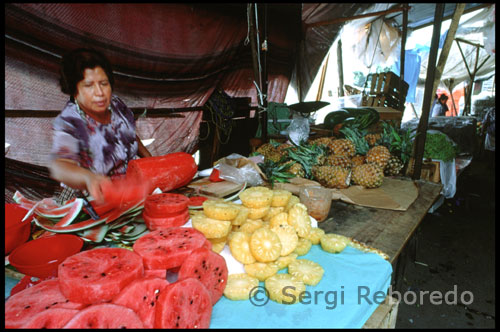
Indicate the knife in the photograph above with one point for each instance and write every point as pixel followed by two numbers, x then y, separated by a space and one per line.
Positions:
pixel 88 207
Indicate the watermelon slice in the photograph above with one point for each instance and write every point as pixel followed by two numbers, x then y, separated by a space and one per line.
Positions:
pixel 23 306
pixel 72 208
pixel 141 296
pixel 162 205
pixel 122 191
pixel 209 267
pixel 154 223
pixel 168 248
pixel 23 201
pixel 54 318
pixel 80 226
pixel 105 316
pixel 184 304
pixel 98 275
pixel 95 234
pixel 160 273
pixel 196 201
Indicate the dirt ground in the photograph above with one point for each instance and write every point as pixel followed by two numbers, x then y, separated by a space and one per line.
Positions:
pixel 455 258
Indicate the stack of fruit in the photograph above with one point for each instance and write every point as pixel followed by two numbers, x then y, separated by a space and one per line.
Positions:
pixel 359 158
pixel 165 210
pixel 267 233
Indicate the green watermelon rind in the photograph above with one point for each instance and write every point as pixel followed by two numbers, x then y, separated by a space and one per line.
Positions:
pixel 71 209
pixel 70 228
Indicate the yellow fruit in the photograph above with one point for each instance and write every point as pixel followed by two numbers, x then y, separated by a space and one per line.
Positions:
pixel 258 213
pixel 265 245
pixel 315 235
pixel 288 238
pixel 279 219
pixel 261 271
pixel 239 286
pixel 299 219
pixel 256 197
pixel 218 244
pixel 220 210
pixel 291 202
pixel 309 272
pixel 280 197
pixel 242 215
pixel 379 155
pixel 251 225
pixel 211 228
pixel 284 261
pixel 333 243
pixel 284 288
pixel 273 210
pixel 239 245
pixel 303 247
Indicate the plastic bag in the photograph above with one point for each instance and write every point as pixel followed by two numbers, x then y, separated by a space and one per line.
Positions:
pixel 448 174
pixel 298 130
pixel 239 169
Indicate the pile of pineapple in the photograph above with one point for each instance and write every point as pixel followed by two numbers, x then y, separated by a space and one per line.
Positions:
pixel 267 233
pixel 358 158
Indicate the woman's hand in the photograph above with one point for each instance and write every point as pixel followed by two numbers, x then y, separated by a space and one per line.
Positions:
pixel 93 184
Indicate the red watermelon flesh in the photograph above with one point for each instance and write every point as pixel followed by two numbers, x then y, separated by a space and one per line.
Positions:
pixel 168 248
pixel 184 304
pixel 54 318
pixel 122 191
pixel 22 306
pixel 98 275
pixel 160 273
pixel 154 223
pixel 141 296
pixel 160 205
pixel 209 267
pixel 105 316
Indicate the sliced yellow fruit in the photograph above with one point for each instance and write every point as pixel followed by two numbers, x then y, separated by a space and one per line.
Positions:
pixel 315 235
pixel 280 197
pixel 334 243
pixel 220 210
pixel 261 271
pixel 284 288
pixel 211 228
pixel 273 210
pixel 242 215
pixel 251 225
pixel 218 244
pixel 256 197
pixel 284 261
pixel 308 271
pixel 279 219
pixel 303 246
pixel 288 238
pixel 291 202
pixel 258 213
pixel 239 286
pixel 265 245
pixel 239 245
pixel 299 219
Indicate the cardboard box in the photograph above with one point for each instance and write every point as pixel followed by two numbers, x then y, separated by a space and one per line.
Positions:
pixel 429 171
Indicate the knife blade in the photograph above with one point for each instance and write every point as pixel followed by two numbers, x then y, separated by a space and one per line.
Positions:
pixel 87 206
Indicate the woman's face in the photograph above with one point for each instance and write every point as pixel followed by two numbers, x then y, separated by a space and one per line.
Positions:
pixel 93 93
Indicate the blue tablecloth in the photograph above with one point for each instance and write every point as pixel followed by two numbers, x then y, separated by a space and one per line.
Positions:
pixel 353 285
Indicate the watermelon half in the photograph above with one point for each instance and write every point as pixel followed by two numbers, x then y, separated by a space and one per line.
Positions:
pixel 105 316
pixel 98 275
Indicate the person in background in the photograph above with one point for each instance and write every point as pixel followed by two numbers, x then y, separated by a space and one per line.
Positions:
pixel 439 107
pixel 488 129
pixel 94 136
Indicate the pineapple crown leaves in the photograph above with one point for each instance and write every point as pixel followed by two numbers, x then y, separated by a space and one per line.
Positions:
pixel 276 171
pixel 357 137
pixel 306 155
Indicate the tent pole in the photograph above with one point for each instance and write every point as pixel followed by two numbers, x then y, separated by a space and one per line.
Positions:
pixel 265 78
pixel 402 59
pixel 426 105
pixel 450 36
pixel 340 68
pixel 322 79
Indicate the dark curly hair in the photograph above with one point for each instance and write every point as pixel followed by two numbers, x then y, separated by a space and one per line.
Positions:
pixel 73 65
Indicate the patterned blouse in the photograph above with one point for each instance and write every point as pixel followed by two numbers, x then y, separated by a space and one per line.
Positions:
pixel 102 148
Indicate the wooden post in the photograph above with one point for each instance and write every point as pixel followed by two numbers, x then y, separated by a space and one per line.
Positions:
pixel 426 105
pixel 265 78
pixel 340 68
pixel 322 79
pixel 445 51
pixel 402 59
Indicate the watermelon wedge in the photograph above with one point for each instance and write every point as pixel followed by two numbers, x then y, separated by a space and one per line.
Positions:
pixel 95 234
pixel 105 316
pixel 80 226
pixel 141 296
pixel 23 201
pixel 61 211
pixel 98 275
pixel 23 306
pixel 54 318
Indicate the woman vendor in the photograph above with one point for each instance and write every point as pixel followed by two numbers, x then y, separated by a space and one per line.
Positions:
pixel 94 136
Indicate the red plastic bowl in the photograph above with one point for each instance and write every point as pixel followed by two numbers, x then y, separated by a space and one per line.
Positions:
pixel 16 232
pixel 41 257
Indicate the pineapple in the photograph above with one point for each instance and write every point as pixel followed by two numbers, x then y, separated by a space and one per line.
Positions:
pixel 284 288
pixel 296 169
pixel 394 166
pixel 239 245
pixel 288 238
pixel 308 156
pixel 332 176
pixel 322 141
pixel 379 155
pixel 333 243
pixel 336 160
pixel 265 245
pixel 261 271
pixel 368 175
pixel 356 137
pixel 309 272
pixel 239 286
pixel 342 147
pixel 373 139
pixel 358 160
pixel 303 246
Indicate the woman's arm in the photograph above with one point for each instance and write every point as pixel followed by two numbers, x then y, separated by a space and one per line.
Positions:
pixel 68 172
pixel 141 149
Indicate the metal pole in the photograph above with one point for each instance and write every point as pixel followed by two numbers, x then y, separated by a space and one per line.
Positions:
pixel 426 105
pixel 340 68
pixel 402 97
